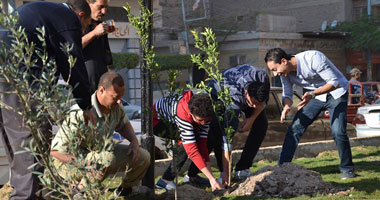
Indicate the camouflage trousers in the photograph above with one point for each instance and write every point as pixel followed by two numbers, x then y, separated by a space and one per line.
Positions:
pixel 112 163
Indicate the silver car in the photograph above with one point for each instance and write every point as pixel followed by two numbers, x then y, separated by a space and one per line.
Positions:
pixel 132 111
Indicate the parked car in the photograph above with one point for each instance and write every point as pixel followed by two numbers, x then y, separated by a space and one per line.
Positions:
pixel 133 111
pixel 159 143
pixel 134 115
pixel 318 130
pixel 367 121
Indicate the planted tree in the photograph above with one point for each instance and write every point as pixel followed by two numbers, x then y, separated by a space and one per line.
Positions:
pixel 206 42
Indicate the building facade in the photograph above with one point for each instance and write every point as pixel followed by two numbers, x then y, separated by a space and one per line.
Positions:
pixel 245 30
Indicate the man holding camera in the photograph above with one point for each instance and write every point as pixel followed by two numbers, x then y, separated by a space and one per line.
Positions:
pixel 96 50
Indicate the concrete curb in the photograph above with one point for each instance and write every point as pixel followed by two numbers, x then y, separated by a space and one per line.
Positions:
pixel 309 149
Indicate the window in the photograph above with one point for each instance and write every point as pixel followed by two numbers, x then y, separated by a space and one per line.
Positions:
pixel 359 11
pixel 134 86
pixel 237 60
pixel 116 13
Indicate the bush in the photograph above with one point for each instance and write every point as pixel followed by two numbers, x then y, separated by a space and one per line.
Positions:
pixel 124 60
pixel 165 62
pixel 173 61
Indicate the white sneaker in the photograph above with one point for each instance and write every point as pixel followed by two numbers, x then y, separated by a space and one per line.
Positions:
pixel 242 174
pixel 164 185
pixel 186 179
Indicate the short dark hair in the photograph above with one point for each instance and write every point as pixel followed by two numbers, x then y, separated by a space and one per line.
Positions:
pixel 109 79
pixel 200 105
pixel 276 55
pixel 80 6
pixel 258 90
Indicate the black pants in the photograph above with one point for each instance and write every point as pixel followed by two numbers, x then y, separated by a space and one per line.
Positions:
pixel 162 130
pixel 13 132
pixel 252 144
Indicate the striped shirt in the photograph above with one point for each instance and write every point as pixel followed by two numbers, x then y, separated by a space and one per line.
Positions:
pixel 175 110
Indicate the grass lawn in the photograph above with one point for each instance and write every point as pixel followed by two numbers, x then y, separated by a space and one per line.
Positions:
pixel 367 168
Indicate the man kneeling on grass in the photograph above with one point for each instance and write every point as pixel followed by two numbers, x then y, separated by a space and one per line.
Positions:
pixel 106 104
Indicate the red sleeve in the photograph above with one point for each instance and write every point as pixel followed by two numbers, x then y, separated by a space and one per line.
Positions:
pixel 194 154
pixel 202 145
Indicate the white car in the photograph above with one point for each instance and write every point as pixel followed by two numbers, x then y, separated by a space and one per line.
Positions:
pixel 132 111
pixel 367 121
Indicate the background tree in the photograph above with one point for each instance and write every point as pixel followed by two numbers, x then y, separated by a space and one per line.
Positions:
pixel 364 35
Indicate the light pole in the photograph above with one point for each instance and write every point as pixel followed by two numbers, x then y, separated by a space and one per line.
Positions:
pixel 369 66
pixel 147 137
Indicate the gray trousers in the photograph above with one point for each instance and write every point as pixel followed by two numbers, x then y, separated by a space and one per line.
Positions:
pixel 12 133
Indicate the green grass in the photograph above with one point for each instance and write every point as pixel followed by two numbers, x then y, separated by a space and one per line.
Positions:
pixel 367 168
pixel 366 184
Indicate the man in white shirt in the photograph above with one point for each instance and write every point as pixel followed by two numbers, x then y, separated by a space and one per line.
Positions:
pixel 327 89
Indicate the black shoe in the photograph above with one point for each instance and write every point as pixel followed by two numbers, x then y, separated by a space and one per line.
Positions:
pixel 196 180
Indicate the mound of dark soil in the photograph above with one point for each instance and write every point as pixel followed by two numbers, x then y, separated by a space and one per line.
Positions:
pixel 288 180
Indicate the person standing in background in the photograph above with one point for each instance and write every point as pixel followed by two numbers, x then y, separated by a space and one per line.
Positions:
pixel 355 87
pixel 96 50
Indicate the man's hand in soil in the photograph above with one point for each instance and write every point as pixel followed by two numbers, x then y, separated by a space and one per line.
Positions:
pixel 215 185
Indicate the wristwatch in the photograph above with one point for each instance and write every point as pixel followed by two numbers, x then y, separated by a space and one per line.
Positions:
pixel 312 94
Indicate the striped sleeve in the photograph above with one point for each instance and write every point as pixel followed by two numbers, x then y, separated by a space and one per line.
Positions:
pixel 203 130
pixel 165 108
pixel 186 130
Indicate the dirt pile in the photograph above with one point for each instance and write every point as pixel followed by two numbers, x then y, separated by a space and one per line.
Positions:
pixel 288 180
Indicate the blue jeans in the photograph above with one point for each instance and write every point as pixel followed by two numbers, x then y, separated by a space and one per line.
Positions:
pixel 338 120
